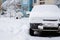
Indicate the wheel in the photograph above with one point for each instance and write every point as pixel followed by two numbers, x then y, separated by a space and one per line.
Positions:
pixel 31 32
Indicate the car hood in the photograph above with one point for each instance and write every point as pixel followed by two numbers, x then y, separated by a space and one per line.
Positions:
pixel 45 14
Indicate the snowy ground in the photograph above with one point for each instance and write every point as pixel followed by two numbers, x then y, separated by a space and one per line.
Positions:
pixel 18 29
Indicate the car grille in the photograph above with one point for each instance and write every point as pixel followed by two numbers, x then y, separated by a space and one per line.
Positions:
pixel 50 28
pixel 50 20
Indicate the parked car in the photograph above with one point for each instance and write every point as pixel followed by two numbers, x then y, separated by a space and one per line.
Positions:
pixel 44 18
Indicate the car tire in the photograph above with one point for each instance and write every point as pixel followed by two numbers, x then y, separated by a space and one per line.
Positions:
pixel 31 32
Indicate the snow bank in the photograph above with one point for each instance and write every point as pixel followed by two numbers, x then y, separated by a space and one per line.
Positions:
pixel 18 29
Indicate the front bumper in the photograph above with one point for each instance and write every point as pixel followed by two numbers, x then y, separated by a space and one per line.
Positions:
pixel 34 26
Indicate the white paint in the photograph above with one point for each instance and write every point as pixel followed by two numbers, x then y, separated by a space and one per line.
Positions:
pixel 41 12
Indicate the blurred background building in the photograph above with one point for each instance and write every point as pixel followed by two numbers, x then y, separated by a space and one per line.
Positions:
pixel 41 2
pixel 31 3
pixel 27 5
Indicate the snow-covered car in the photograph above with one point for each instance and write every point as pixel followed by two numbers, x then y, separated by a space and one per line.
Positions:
pixel 44 18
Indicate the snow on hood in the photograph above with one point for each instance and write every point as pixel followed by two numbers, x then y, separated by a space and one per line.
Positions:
pixel 45 11
pixel 45 14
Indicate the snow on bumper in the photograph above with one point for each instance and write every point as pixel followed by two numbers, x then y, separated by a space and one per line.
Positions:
pixel 42 27
pixel 45 23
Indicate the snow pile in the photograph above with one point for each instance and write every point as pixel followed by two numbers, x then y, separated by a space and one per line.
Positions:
pixel 13 29
pixel 10 28
pixel 9 7
pixel 19 14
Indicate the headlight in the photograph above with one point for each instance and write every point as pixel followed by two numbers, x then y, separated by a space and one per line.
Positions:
pixel 40 27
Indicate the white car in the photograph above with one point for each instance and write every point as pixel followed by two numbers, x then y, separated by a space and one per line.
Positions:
pixel 44 18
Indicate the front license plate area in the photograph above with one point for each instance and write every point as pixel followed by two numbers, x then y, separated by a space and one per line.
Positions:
pixel 50 25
